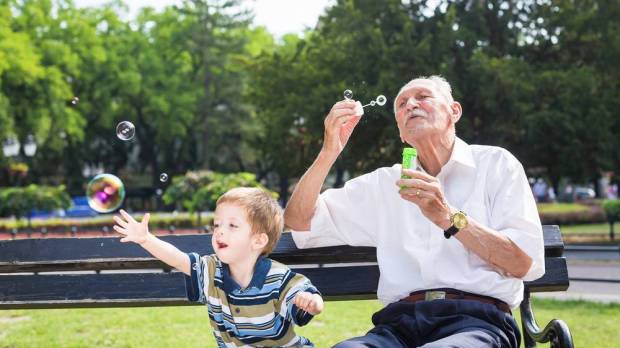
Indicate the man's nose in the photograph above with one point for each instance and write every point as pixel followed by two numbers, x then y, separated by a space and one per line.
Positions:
pixel 411 103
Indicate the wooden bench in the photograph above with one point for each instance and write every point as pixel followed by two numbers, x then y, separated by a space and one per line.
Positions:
pixel 33 274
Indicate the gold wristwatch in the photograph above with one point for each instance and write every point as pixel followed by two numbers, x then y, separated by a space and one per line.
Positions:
pixel 458 221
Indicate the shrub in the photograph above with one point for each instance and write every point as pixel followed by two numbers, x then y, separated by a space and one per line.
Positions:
pixel 612 209
pixel 21 201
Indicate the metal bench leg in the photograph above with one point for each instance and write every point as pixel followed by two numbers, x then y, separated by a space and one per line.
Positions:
pixel 556 331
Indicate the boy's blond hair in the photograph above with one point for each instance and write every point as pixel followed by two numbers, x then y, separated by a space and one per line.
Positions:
pixel 264 213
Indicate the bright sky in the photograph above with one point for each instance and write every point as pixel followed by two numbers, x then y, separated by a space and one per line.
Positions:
pixel 279 16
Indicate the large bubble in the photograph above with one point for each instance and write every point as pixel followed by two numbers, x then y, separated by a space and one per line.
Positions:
pixel 105 193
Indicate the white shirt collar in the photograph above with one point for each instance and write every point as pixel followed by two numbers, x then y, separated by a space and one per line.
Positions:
pixel 461 153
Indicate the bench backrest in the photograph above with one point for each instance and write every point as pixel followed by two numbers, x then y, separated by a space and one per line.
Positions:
pixel 103 272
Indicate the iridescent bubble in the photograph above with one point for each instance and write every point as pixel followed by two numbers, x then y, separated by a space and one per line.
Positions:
pixel 105 193
pixel 125 130
pixel 348 94
pixel 381 100
pixel 163 177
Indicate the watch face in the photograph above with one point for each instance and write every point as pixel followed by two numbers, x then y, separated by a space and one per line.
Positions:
pixel 460 220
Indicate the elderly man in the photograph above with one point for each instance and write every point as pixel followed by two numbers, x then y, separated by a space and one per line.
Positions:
pixel 455 240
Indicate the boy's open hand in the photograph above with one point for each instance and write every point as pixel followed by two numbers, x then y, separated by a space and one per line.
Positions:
pixel 134 231
pixel 311 303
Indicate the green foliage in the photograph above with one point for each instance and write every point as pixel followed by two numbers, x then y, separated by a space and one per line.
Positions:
pixel 612 209
pixel 207 90
pixel 198 191
pixel 206 197
pixel 183 188
pixel 20 201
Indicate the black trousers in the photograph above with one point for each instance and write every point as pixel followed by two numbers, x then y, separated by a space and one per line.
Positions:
pixel 439 323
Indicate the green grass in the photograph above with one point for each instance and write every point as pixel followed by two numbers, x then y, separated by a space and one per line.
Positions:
pixel 592 325
pixel 588 228
pixel 546 208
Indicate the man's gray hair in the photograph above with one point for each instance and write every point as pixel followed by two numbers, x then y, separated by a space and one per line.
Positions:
pixel 438 81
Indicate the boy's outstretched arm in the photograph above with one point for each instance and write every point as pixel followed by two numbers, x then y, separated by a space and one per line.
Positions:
pixel 138 232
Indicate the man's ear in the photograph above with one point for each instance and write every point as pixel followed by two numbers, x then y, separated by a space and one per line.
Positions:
pixel 260 240
pixel 456 110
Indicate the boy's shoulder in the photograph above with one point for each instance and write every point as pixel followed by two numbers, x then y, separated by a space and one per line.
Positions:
pixel 278 272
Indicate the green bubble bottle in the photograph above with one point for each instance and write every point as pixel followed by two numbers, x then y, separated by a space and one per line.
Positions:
pixel 409 155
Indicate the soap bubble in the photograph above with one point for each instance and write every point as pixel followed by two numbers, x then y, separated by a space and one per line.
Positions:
pixel 381 99
pixel 105 193
pixel 348 94
pixel 75 101
pixel 163 177
pixel 125 130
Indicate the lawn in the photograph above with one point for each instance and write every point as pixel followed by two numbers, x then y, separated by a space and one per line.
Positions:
pixel 544 208
pixel 588 228
pixel 592 324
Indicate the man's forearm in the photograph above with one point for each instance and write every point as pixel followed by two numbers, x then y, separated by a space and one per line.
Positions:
pixel 167 253
pixel 300 207
pixel 495 248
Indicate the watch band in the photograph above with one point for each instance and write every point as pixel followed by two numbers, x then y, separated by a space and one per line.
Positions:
pixel 450 232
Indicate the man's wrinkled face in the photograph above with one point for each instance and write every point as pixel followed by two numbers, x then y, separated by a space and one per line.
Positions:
pixel 422 111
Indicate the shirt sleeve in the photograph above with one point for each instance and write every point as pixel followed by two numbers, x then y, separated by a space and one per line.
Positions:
pixel 297 284
pixel 348 215
pixel 514 212
pixel 199 277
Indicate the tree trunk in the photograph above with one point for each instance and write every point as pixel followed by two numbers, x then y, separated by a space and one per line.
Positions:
pixel 284 183
pixel 339 177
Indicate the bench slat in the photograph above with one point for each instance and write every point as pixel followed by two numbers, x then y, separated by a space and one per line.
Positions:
pixel 164 289
pixel 156 289
pixel 67 254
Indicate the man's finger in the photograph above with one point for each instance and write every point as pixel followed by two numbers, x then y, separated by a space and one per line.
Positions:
pixel 416 174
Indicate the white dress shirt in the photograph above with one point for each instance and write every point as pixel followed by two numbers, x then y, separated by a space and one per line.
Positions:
pixel 488 183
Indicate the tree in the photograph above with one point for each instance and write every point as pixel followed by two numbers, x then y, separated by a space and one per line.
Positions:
pixel 21 201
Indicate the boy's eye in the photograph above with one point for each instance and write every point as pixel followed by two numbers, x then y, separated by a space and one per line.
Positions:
pixel 232 226
pixel 216 225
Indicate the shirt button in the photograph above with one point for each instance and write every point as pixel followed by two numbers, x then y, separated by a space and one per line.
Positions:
pixel 237 310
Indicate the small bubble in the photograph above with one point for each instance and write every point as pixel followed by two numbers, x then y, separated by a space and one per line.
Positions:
pixel 381 100
pixel 348 94
pixel 163 177
pixel 75 101
pixel 372 103
pixel 125 130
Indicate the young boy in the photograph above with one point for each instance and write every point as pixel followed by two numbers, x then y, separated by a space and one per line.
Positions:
pixel 251 300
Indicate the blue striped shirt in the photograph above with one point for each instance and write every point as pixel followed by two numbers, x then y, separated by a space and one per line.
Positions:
pixel 262 314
